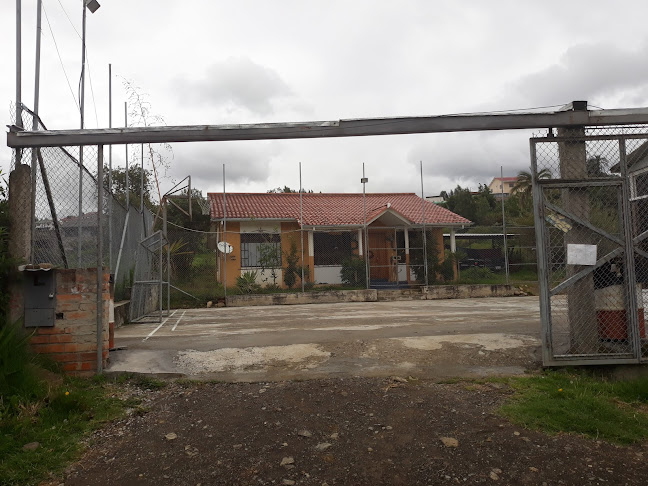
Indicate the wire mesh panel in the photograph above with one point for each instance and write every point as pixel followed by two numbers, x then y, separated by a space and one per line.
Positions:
pixel 150 278
pixel 590 280
pixel 60 214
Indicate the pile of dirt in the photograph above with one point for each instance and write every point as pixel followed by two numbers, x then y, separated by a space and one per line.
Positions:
pixel 359 431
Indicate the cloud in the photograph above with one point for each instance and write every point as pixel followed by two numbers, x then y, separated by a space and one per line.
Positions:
pixel 246 164
pixel 236 83
pixel 586 72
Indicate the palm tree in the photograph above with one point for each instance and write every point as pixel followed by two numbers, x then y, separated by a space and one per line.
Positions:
pixel 524 184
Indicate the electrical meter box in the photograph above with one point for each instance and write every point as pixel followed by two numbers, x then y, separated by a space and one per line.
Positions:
pixel 40 298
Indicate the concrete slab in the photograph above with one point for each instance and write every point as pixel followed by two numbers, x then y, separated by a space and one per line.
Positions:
pixel 437 339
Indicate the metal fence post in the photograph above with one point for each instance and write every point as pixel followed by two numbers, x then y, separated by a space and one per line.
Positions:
pixel 629 273
pixel 543 277
pixel 100 259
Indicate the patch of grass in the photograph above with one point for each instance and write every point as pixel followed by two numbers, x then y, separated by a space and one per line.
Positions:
pixel 581 403
pixel 57 419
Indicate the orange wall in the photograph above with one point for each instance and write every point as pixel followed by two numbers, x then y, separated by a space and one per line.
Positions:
pixel 290 232
pixel 233 237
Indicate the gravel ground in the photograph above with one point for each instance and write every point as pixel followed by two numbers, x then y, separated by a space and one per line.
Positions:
pixel 356 431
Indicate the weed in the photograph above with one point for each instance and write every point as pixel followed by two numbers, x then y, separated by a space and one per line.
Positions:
pixel 581 403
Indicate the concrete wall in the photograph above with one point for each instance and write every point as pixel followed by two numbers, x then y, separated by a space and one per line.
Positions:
pixel 73 339
pixel 436 292
pixel 328 274
pixel 329 297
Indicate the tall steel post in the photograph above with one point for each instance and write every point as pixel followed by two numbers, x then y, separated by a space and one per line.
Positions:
pixel 142 182
pixel 126 145
pixel 364 181
pixel 506 261
pixel 425 255
pixel 18 67
pixel 100 303
pixel 110 203
pixel 35 127
pixel 301 225
pixel 82 112
pixel 224 238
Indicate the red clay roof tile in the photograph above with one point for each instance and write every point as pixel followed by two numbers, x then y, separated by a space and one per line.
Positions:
pixel 330 209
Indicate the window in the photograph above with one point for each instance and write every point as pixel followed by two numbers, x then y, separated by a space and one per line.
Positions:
pixel 332 248
pixel 260 250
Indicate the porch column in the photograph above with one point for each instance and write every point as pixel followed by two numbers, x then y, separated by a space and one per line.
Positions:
pixel 360 252
pixel 311 256
pixel 453 249
pixel 407 256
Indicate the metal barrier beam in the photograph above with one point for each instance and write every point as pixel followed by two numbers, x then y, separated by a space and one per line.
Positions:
pixel 17 138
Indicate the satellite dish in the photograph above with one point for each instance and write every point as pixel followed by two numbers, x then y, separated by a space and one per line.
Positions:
pixel 224 247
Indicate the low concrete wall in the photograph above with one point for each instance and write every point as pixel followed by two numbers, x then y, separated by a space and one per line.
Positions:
pixel 471 291
pixel 122 310
pixel 328 297
pixel 435 292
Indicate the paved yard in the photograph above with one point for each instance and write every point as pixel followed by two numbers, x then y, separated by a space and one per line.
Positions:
pixel 432 339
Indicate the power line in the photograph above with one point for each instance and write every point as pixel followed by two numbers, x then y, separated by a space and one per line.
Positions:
pixel 60 60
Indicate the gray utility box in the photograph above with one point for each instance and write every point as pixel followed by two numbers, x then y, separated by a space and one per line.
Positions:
pixel 40 298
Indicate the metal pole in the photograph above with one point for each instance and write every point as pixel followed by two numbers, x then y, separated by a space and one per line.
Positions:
pixel 18 66
pixel 161 269
pixel 168 253
pixel 224 238
pixel 82 112
pixel 366 232
pixel 301 225
pixel 35 127
pixel 126 145
pixel 110 202
pixel 142 182
pixel 506 262
pixel 425 262
pixel 100 303
pixel 630 278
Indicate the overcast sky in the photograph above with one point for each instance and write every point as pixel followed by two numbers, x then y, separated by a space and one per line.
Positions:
pixel 214 62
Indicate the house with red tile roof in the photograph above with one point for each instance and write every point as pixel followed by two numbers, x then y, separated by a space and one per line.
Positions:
pixel 330 228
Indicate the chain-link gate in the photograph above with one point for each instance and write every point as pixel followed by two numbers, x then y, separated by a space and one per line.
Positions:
pixel 591 216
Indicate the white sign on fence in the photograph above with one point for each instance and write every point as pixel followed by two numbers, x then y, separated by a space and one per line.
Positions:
pixel 581 254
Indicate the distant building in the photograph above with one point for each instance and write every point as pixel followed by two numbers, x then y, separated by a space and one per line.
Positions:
pixel 503 185
pixel 435 199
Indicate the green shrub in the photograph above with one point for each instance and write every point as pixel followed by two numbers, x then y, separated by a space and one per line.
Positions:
pixel 292 270
pixel 247 283
pixel 354 272
pixel 477 273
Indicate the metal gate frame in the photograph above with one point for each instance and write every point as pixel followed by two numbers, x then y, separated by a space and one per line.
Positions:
pixel 628 248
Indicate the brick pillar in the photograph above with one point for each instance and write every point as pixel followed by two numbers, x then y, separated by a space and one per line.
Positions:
pixel 73 339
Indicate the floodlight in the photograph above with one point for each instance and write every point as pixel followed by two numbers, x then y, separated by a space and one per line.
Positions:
pixel 92 5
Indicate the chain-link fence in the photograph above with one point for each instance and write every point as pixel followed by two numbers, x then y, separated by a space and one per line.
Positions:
pixel 273 259
pixel 591 227
pixel 54 199
pixel 150 286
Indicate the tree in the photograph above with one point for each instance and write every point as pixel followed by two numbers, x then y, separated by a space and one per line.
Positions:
pixel 479 207
pixel 134 185
pixel 200 218
pixel 140 114
pixel 287 190
pixel 596 166
pixel 524 184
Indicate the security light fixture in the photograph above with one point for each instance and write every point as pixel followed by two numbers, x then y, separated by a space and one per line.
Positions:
pixel 92 5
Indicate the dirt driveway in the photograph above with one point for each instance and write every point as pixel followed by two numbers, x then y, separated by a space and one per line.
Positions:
pixel 358 431
pixel 428 339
